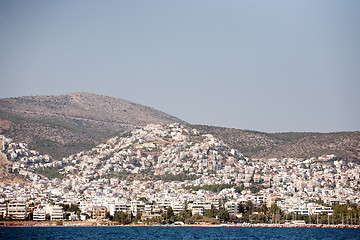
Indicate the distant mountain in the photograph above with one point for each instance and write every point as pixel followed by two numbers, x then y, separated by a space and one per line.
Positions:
pixel 63 125
pixel 66 124
pixel 281 145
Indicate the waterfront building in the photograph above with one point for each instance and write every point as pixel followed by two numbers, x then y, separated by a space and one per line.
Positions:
pixel 57 213
pixel 39 215
pixel 177 207
pixel 231 207
pixel 17 209
pixel 99 212
pixel 2 209
pixel 199 207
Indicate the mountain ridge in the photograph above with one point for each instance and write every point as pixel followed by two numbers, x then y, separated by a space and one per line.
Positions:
pixel 75 121
pixel 66 124
pixel 257 144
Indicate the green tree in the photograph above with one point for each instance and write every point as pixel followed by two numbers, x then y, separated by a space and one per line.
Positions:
pixel 29 217
pixel 211 213
pixel 74 208
pixel 262 208
pixel 239 188
pixel 138 217
pixel 223 214
pixel 108 216
pixel 184 215
pixel 170 214
pixel 122 217
pixel 258 218
pixel 274 209
pixel 142 199
pixel 249 206
pixel 241 208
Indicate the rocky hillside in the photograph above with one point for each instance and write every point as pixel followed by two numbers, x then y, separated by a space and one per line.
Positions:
pixel 169 152
pixel 5 176
pixel 66 124
pixel 279 145
pixel 63 125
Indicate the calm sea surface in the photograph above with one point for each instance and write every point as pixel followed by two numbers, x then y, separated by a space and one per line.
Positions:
pixel 175 233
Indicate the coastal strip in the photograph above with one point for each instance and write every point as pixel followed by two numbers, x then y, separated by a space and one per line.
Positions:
pixel 109 224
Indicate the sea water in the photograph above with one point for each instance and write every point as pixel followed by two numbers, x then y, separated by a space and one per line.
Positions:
pixel 173 233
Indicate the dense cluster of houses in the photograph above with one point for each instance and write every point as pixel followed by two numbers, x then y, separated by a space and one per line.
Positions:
pixel 99 180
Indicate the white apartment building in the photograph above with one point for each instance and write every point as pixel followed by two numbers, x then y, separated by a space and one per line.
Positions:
pixel 199 207
pixel 57 213
pixel 164 204
pixel 137 206
pixel 318 209
pixel 231 207
pixel 123 207
pixel 17 209
pixel 304 210
pixel 2 209
pixel 148 208
pixel 177 207
pixel 39 215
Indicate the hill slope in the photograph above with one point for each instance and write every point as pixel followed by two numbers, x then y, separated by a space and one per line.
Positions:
pixel 5 176
pixel 281 145
pixel 66 124
pixel 63 125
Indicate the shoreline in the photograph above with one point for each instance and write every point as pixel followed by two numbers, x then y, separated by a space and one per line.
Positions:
pixel 111 224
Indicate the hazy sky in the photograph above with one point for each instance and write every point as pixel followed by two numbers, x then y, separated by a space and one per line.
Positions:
pixel 271 66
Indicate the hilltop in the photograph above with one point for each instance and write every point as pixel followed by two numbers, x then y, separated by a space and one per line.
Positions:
pixel 67 124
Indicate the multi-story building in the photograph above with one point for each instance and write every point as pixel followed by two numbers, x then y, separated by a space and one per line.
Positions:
pixel 258 199
pixel 123 207
pixel 164 204
pixel 177 207
pixel 231 207
pixel 99 212
pixel 57 213
pixel 304 210
pixel 137 206
pixel 318 209
pixel 216 202
pixel 148 208
pixel 39 215
pixel 17 209
pixel 2 208
pixel 199 207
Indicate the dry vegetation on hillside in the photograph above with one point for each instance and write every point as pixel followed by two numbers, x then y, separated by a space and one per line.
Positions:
pixel 280 145
pixel 67 124
pixel 62 125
